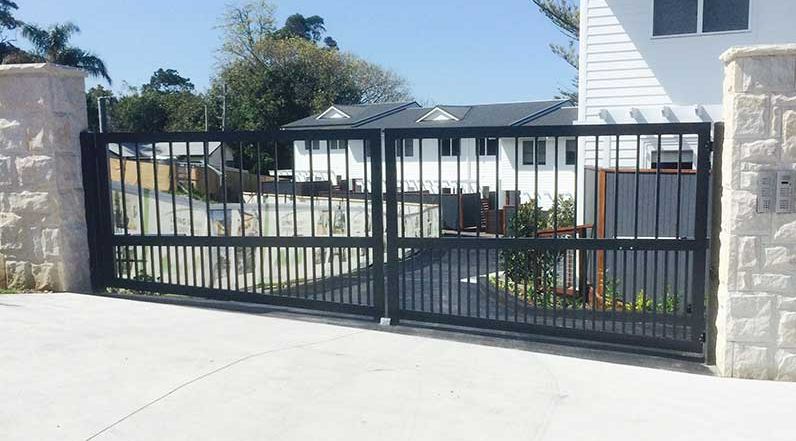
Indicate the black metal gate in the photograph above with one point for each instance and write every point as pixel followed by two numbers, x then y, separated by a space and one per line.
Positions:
pixel 203 214
pixel 583 232
pixel 593 232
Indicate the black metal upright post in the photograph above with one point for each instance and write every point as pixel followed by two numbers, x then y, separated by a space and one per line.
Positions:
pixel 379 293
pixel 392 228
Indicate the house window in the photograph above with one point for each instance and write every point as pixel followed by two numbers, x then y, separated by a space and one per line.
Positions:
pixel 541 152
pixel 669 160
pixel 487 147
pixel 449 147
pixel 338 144
pixel 571 152
pixel 409 148
pixel 315 144
pixel 684 17
pixel 527 152
pixel 725 15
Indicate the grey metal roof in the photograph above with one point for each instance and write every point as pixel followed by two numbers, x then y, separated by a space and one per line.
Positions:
pixel 161 149
pixel 359 114
pixel 484 115
pixel 563 116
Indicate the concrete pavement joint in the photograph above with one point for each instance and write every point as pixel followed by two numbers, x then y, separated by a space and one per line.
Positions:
pixel 215 371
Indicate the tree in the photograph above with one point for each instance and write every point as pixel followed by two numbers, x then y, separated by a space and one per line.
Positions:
pixel 566 17
pixel 7 23
pixel 168 81
pixel 275 76
pixel 376 84
pixel 52 46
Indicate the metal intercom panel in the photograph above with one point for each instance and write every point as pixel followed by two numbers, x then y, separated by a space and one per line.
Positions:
pixel 785 192
pixel 766 192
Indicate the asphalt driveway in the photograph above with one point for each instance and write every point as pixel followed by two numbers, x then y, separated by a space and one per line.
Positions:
pixel 76 367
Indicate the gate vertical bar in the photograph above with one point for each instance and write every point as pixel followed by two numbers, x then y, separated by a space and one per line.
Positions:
pixel 392 227
pixel 378 226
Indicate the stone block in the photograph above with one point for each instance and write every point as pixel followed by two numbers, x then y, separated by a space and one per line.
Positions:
pixel 787 303
pixel 3 284
pixel 786 365
pixel 750 318
pixel 772 282
pixel 742 217
pixel 761 152
pixel 780 258
pixel 12 135
pixel 747 252
pixel 36 172
pixel 789 135
pixel 750 116
pixel 786 336
pixel 30 202
pixel 785 229
pixel 768 74
pixel 18 275
pixel 51 242
pixel 44 277
pixel 6 171
pixel 751 361
pixel 11 232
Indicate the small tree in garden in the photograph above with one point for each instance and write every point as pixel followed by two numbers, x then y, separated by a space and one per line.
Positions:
pixel 534 269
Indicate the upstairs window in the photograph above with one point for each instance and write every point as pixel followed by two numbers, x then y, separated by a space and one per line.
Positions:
pixel 688 17
pixel 449 147
pixel 669 160
pixel 571 152
pixel 487 146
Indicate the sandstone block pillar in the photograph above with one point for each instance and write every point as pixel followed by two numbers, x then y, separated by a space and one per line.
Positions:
pixel 756 320
pixel 43 236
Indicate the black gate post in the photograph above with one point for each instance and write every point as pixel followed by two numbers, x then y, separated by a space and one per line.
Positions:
pixel 699 275
pixel 89 165
pixel 378 227
pixel 392 228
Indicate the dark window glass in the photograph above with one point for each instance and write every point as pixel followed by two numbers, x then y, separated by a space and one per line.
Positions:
pixel 316 144
pixel 675 17
pixel 449 147
pixel 725 15
pixel 445 147
pixel 541 152
pixel 409 148
pixel 527 152
pixel 572 152
pixel 481 146
pixel 491 146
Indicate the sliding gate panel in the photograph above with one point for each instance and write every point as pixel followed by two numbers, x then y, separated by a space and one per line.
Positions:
pixel 291 218
pixel 595 232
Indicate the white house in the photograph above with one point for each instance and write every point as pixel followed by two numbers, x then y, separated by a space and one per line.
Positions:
pixel 454 164
pixel 657 61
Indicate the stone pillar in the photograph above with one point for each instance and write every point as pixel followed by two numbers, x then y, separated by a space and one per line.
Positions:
pixel 756 322
pixel 43 242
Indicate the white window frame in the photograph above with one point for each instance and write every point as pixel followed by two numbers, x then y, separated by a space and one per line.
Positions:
pixel 700 19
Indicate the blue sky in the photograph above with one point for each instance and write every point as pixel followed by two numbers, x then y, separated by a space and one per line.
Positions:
pixel 451 51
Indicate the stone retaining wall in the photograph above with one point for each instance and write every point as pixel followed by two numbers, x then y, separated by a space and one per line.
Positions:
pixel 43 242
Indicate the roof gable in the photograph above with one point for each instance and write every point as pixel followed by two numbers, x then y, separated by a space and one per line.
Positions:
pixel 333 113
pixel 438 114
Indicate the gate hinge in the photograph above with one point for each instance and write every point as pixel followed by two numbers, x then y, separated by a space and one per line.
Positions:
pixel 703 338
pixel 710 146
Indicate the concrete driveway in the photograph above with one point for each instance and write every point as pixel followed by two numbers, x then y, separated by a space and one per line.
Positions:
pixel 76 367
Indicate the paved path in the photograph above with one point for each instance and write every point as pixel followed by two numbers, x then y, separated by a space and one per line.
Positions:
pixel 78 367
